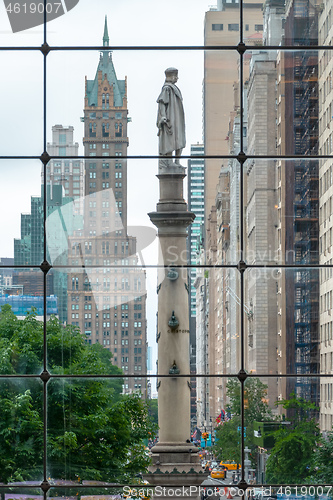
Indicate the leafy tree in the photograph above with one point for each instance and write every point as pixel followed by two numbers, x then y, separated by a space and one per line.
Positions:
pixel 153 410
pixel 291 458
pixel 255 399
pixel 21 437
pixel 153 414
pixel 323 461
pixel 228 446
pixel 94 432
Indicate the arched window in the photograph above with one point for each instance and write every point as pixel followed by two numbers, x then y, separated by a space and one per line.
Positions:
pixel 92 130
pixel 105 131
pixel 119 129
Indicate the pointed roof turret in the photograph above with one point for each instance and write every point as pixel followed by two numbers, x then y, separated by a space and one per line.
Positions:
pixel 105 65
pixel 106 33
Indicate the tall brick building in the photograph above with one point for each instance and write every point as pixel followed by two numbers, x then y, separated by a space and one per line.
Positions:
pixel 108 299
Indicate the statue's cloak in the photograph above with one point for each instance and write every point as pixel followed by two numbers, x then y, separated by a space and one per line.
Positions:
pixel 172 134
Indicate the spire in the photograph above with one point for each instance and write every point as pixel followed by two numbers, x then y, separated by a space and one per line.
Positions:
pixel 106 33
pixel 105 66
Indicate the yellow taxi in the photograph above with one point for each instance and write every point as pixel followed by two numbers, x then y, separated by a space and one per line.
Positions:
pixel 230 465
pixel 218 474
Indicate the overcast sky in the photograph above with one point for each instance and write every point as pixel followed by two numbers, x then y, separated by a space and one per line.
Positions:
pixel 130 22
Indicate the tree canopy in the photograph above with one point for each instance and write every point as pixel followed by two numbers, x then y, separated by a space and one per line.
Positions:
pixel 228 446
pixel 93 433
pixel 291 458
pixel 323 460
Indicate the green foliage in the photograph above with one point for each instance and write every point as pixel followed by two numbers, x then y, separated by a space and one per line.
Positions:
pixel 94 432
pixel 291 458
pixel 20 434
pixel 255 399
pixel 228 444
pixel 256 407
pixel 153 411
pixel 323 461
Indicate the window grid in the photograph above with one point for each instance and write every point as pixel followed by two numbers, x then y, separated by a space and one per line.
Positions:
pixel 241 266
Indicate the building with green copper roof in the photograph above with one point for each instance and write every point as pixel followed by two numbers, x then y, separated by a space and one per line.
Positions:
pixel 108 72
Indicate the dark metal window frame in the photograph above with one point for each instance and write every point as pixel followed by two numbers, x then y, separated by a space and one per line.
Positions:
pixel 241 48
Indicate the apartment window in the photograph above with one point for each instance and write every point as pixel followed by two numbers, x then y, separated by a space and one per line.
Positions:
pixel 217 27
pixel 233 27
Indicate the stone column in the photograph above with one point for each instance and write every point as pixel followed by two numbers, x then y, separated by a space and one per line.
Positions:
pixel 175 459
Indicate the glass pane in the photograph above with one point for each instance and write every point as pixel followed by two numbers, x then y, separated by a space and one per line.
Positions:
pixel 22 101
pixel 21 320
pixel 104 307
pixel 222 134
pixel 22 492
pixel 218 314
pixel 253 24
pixel 286 107
pixel 155 28
pixel 21 425
pixel 93 428
pixel 112 208
pixel 282 212
pixel 219 429
pixel 222 24
pixel 282 328
pixel 287 26
pixel 277 429
pixel 22 228
pixel 19 27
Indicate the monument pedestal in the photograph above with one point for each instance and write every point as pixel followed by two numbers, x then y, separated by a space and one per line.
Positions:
pixel 175 461
pixel 176 472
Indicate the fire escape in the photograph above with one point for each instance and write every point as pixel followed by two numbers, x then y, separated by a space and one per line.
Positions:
pixel 306 221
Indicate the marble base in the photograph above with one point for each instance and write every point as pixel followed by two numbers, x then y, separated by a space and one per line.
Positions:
pixel 175 474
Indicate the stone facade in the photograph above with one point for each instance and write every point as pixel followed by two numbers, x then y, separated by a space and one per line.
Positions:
pixel 261 217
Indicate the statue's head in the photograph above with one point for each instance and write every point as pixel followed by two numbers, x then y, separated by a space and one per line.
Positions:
pixel 171 75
